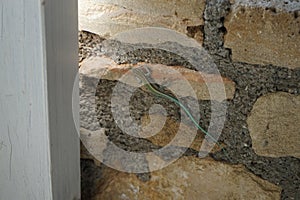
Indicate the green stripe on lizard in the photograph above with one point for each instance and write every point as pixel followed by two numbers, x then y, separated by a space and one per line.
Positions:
pixel 151 88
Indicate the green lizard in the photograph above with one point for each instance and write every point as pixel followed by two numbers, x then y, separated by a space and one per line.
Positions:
pixel 142 76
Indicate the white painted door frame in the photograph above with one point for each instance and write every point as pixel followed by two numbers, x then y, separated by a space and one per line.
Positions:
pixel 39 145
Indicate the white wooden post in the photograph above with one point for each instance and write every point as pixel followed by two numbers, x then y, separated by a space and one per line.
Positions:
pixel 39 146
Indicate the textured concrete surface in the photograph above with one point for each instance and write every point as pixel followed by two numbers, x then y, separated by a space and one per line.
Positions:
pixel 251 82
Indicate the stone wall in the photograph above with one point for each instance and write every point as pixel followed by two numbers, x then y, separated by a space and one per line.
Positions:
pixel 256 46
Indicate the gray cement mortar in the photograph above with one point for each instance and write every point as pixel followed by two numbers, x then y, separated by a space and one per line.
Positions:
pixel 252 81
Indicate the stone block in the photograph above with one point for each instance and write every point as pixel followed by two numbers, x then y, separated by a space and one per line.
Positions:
pixel 108 18
pixel 105 68
pixel 168 131
pixel 188 178
pixel 274 125
pixel 264 32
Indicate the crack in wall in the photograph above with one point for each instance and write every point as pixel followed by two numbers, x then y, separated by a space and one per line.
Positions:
pixel 11 152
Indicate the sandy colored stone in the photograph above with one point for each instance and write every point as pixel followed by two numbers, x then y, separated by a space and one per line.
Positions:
pixel 188 178
pixel 183 81
pixel 109 17
pixel 93 143
pixel 274 125
pixel 264 32
pixel 163 131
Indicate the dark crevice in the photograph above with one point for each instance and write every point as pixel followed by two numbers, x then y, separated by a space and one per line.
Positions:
pixel 214 30
pixel 296 14
pixel 193 30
